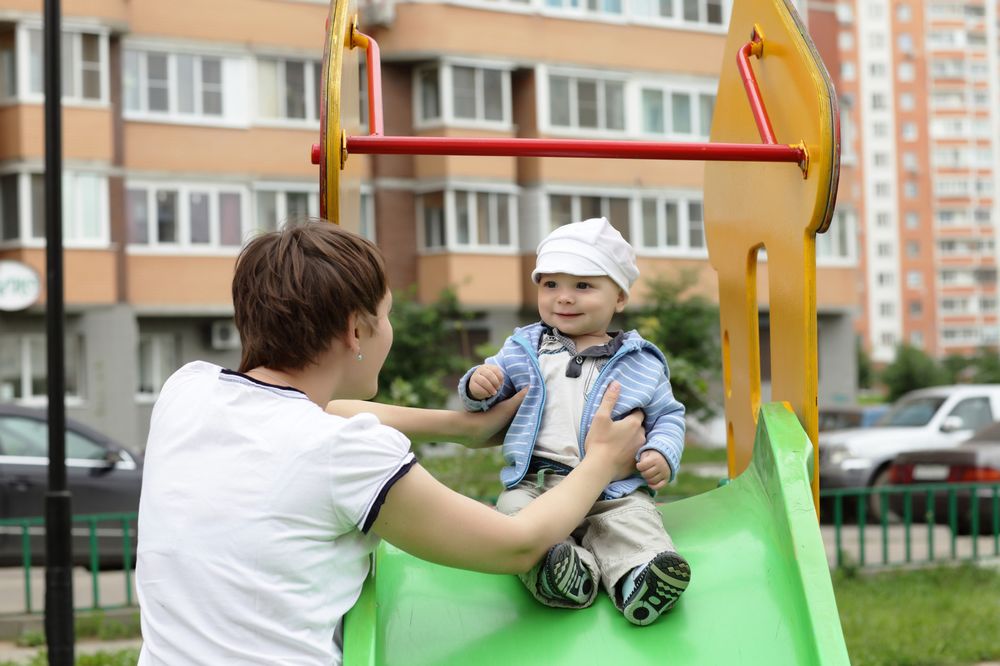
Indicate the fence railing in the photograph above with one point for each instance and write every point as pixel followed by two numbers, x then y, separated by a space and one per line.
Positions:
pixel 100 541
pixel 914 524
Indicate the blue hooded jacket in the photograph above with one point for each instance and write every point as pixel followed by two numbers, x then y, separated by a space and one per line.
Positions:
pixel 638 366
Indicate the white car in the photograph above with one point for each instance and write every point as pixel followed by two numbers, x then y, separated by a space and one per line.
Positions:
pixel 932 418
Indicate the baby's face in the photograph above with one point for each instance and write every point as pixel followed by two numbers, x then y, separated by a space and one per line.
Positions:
pixel 578 305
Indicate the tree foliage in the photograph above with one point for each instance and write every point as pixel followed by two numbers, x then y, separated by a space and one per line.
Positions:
pixel 912 369
pixel 423 350
pixel 866 373
pixel 685 327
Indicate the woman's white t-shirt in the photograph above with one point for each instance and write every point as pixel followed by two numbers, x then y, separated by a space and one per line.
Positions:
pixel 253 521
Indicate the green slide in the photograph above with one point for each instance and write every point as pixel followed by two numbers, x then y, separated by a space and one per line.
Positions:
pixel 760 589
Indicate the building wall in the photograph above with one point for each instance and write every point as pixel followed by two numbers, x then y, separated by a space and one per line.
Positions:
pixel 190 127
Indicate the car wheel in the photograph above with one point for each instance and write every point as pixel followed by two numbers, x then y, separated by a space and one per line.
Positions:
pixel 880 480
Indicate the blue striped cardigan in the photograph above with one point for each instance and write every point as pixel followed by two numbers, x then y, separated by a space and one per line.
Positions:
pixel 640 368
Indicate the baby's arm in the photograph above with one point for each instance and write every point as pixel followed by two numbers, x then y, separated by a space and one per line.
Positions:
pixel 664 433
pixel 496 375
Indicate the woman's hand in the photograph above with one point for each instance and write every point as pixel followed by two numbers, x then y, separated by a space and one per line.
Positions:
pixel 615 442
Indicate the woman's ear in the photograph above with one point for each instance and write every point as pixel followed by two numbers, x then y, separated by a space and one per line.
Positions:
pixel 352 337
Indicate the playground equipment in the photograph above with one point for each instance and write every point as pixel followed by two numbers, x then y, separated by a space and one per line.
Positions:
pixel 761 591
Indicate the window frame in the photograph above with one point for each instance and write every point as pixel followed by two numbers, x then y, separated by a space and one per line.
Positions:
pixel 158 340
pixel 281 203
pixel 446 95
pixel 183 221
pixel 450 191
pixel 24 341
pixel 74 30
pixel 311 101
pixel 235 86
pixel 72 207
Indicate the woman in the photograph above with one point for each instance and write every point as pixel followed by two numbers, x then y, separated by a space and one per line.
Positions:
pixel 259 510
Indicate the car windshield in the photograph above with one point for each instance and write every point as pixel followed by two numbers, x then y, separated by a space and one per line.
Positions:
pixel 912 412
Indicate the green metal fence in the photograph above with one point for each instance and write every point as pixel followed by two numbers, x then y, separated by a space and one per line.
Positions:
pixel 914 524
pixel 100 541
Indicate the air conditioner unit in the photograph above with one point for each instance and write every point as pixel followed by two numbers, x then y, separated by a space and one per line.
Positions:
pixel 225 335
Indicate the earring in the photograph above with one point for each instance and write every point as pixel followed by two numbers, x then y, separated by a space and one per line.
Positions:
pixel 360 356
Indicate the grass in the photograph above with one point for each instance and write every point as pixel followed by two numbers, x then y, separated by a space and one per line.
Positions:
pixel 947 615
pixel 127 657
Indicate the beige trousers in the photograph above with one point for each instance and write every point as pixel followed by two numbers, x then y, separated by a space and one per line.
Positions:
pixel 616 536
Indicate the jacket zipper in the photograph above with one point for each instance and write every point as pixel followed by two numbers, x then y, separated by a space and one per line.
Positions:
pixel 587 409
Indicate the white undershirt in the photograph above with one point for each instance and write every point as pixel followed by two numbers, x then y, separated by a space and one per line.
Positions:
pixel 559 434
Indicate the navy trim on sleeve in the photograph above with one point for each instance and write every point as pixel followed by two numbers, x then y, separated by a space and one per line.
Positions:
pixel 380 500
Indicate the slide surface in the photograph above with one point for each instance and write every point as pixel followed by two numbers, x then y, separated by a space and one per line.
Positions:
pixel 760 590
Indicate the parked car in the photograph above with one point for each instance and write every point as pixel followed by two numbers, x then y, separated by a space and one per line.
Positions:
pixel 102 475
pixel 976 460
pixel 931 418
pixel 841 417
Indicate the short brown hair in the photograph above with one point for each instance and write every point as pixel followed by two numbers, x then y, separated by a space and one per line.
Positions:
pixel 294 290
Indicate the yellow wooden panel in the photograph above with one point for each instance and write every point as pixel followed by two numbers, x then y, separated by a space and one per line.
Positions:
pixel 752 205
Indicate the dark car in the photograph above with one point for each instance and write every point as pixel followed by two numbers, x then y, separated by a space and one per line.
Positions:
pixel 103 476
pixel 975 461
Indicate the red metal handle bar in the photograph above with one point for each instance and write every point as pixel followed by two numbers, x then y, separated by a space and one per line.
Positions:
pixel 374 68
pixel 657 150
pixel 754 47
pixel 378 144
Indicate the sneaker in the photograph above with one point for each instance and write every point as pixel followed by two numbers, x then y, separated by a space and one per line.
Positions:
pixel 657 587
pixel 564 578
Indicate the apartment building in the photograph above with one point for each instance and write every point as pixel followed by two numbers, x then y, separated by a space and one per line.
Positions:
pixel 918 86
pixel 188 125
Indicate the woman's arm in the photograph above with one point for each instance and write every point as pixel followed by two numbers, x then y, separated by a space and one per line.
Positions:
pixel 473 429
pixel 425 518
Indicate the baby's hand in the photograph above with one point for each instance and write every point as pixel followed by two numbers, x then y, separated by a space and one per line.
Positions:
pixel 654 469
pixel 485 382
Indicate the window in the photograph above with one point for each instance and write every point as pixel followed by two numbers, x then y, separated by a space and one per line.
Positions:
pixel 883 219
pixel 277 206
pixel 974 413
pixel 916 308
pixel 905 72
pixel 677 112
pixel 886 309
pixel 671 223
pixel 882 189
pixel 903 12
pixel 837 242
pixel 884 249
pixel 84 66
pixel 287 89
pixel 912 249
pixel 910 189
pixel 177 84
pixel 906 101
pixel 914 279
pixel 588 6
pixel 705 12
pixel 845 40
pixel 366 228
pixel 565 208
pixel 85 208
pixel 466 219
pixel 847 70
pixel 912 220
pixel 910 131
pixel 159 356
pixel 879 101
pixel 23 375
pixel 462 94
pixel 582 103
pixel 188 216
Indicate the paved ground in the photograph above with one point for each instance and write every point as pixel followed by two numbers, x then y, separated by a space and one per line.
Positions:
pixel 10 652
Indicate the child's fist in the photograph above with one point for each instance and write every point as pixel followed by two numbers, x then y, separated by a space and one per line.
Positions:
pixel 485 382
pixel 654 469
